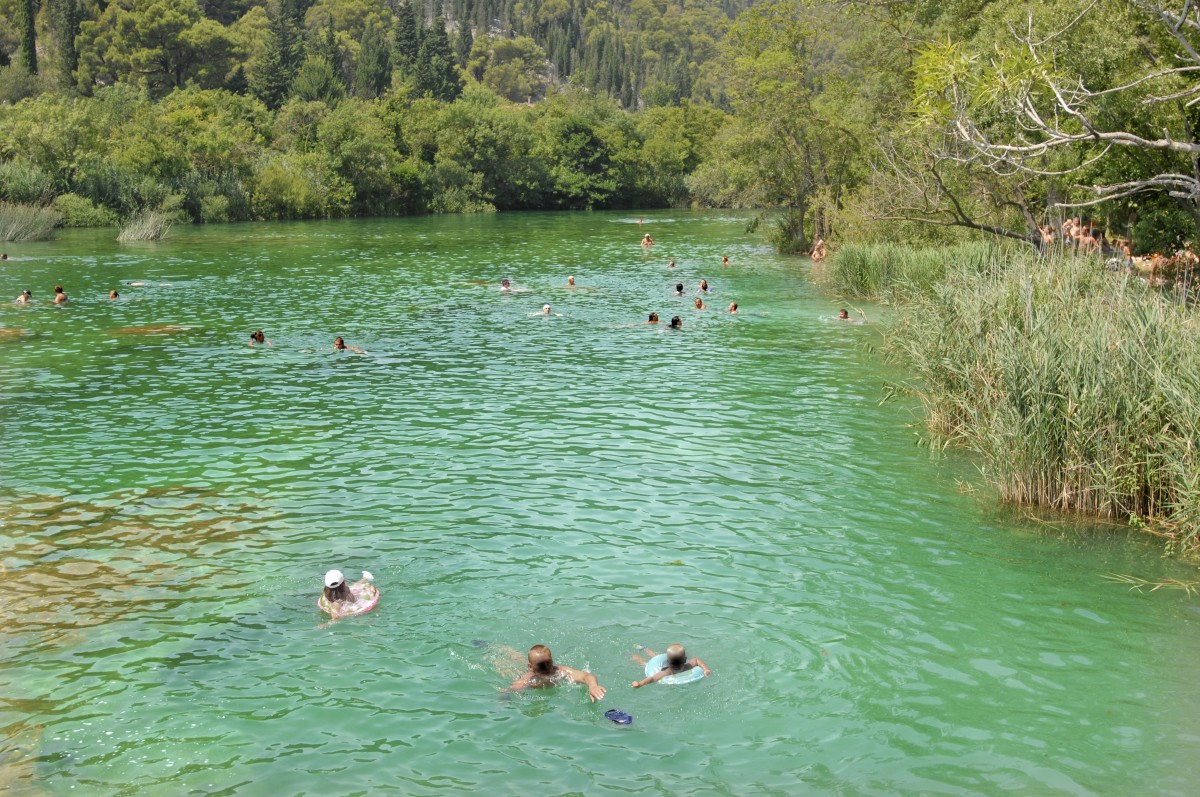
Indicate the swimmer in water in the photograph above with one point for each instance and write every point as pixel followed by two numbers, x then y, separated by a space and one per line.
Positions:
pixel 543 672
pixel 60 296
pixel 647 241
pixel 724 262
pixel 25 298
pixel 704 287
pixel 733 308
pixel 338 591
pixel 670 264
pixel 677 662
pixel 700 305
pixel 679 289
pixel 843 315
pixel 259 337
pixel 3 255
pixel 340 345
pixel 653 319
pixel 114 295
pixel 135 284
pixel 505 284
pixel 570 282
pixel 676 322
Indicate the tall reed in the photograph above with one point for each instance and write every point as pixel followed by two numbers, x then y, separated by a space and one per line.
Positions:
pixel 1078 389
pixel 893 272
pixel 149 225
pixel 27 222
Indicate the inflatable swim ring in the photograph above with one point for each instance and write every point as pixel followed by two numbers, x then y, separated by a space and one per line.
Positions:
pixel 686 677
pixel 365 598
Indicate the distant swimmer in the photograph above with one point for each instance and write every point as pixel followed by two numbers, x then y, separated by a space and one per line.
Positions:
pixel 677 662
pixel 545 312
pixel 724 262
pixel 135 284
pixel 505 284
pixel 704 287
pixel 340 345
pixel 114 295
pixel 733 308
pixel 844 315
pixel 700 305
pixel 647 241
pixel 543 673
pixel 3 255
pixel 670 264
pixel 653 319
pixel 25 298
pixel 258 337
pixel 679 289
pixel 570 282
pixel 676 322
pixel 60 296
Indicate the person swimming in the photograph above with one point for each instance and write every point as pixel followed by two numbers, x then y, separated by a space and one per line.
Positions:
pixel 676 322
pixel 724 261
pixel 259 337
pixel 677 662
pixel 704 287
pixel 679 289
pixel 700 305
pixel 653 319
pixel 570 282
pixel 340 345
pixel 114 295
pixel 733 308
pixel 543 672
pixel 647 241
pixel 670 264
pixel 506 284
pixel 25 298
pixel 60 296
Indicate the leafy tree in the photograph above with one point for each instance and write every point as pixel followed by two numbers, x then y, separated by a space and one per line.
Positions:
pixel 159 44
pixel 317 81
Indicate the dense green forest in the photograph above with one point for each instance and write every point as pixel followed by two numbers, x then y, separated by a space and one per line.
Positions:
pixel 856 120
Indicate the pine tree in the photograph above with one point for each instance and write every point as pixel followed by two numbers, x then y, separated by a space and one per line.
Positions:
pixel 26 19
pixel 437 74
pixel 373 73
pixel 463 43
pixel 65 16
pixel 281 56
pixel 408 38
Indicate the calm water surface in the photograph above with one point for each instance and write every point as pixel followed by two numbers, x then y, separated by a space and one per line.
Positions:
pixel 170 498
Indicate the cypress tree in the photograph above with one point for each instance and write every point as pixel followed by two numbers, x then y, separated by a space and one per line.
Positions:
pixel 65 16
pixel 26 17
pixel 463 43
pixel 281 56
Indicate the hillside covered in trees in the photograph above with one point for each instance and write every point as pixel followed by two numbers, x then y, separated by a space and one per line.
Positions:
pixel 898 120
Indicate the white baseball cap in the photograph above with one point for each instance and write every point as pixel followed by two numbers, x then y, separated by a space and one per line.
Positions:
pixel 333 578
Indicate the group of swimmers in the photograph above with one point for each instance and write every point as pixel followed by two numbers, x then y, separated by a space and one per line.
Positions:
pixel 60 296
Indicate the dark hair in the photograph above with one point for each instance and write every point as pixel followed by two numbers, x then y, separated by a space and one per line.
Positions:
pixel 654 316
pixel 679 287
pixel 676 322
pixel 339 593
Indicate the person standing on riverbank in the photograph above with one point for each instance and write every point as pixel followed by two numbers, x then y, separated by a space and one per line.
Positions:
pixel 543 673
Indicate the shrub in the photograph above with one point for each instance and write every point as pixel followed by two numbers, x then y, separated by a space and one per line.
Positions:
pixel 27 222
pixel 24 183
pixel 79 211
pixel 214 209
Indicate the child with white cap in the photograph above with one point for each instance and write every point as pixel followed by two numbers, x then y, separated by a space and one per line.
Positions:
pixel 341 599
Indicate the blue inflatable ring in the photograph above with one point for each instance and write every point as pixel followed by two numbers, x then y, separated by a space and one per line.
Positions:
pixel 686 677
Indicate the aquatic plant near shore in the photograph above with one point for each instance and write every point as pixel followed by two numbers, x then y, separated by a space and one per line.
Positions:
pixel 891 271
pixel 1078 389
pixel 149 225
pixel 27 222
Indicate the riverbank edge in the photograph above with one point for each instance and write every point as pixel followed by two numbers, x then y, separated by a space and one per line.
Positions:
pixel 1074 387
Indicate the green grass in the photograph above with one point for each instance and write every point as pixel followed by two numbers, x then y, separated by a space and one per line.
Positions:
pixel 27 222
pixel 1078 389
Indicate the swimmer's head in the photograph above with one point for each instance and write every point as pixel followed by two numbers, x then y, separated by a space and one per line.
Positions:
pixel 843 314
pixel 679 287
pixel 570 280
pixel 334 579
pixel 505 282
pixel 259 337
pixel 541 661
pixel 676 322
pixel 733 307
pixel 699 303
pixel 654 318
pixel 546 309
pixel 58 289
pixel 26 293
pixel 676 655
pixel 338 343
pixel 703 285
pixel 114 295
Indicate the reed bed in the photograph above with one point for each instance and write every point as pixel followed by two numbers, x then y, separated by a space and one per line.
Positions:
pixel 27 222
pixel 1078 389
pixel 892 272
pixel 149 225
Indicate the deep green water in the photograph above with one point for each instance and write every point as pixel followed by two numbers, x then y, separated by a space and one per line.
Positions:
pixel 170 502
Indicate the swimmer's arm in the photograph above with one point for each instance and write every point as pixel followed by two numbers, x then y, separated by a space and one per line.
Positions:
pixel 699 662
pixel 524 682
pixel 595 690
pixel 663 673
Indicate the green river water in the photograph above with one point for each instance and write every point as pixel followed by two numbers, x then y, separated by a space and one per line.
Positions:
pixel 170 499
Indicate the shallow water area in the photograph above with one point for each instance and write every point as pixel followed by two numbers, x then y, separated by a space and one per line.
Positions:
pixel 171 497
